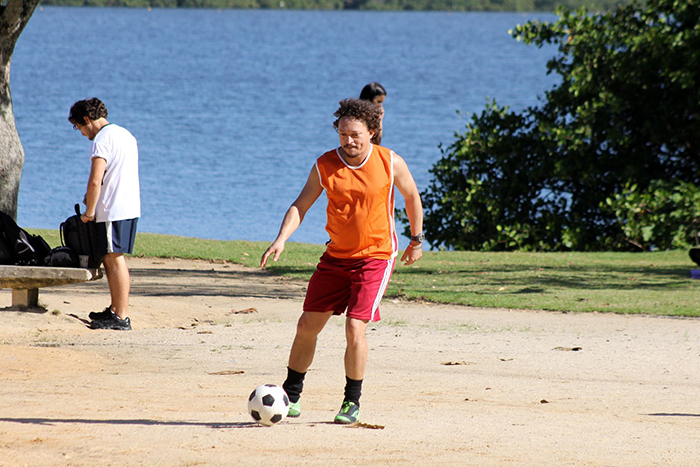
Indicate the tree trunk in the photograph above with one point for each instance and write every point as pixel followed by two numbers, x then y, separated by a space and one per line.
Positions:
pixel 13 18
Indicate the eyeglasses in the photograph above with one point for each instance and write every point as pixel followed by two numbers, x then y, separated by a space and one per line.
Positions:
pixel 76 127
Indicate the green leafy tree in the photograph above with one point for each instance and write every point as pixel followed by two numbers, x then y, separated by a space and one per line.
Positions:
pixel 627 111
pixel 490 190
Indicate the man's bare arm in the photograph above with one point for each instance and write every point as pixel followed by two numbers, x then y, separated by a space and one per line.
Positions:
pixel 294 216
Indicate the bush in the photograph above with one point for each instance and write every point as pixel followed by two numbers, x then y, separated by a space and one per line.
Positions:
pixel 661 216
pixel 626 113
pixel 489 190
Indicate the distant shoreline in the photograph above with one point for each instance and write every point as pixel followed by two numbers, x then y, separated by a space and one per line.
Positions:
pixel 503 6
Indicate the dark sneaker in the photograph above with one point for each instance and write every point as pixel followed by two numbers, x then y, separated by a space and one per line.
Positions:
pixel 101 315
pixel 349 413
pixel 113 322
pixel 294 409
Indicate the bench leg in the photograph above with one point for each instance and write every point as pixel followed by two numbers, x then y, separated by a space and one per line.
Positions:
pixel 25 298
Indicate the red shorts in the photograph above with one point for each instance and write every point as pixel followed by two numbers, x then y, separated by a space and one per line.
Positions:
pixel 357 285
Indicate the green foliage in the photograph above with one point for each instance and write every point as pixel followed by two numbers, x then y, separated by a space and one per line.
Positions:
pixel 627 111
pixel 662 216
pixel 442 5
pixel 490 189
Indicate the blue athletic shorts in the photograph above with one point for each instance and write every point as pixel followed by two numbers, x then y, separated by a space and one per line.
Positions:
pixel 116 236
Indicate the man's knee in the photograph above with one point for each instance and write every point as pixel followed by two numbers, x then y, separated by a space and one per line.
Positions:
pixel 311 324
pixel 115 264
pixel 112 259
pixel 355 331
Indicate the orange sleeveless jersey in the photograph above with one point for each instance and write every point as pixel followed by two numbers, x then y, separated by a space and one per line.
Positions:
pixel 360 208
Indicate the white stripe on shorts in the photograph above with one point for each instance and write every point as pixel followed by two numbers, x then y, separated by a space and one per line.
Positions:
pixel 110 243
pixel 383 286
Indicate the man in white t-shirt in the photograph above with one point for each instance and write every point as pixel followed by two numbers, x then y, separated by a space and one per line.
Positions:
pixel 113 201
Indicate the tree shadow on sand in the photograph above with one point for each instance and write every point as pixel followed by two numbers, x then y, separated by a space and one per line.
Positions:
pixel 136 421
pixel 173 282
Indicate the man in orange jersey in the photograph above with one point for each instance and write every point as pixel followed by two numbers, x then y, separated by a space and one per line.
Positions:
pixel 359 180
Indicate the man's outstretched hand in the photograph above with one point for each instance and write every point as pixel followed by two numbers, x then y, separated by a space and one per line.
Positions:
pixel 274 250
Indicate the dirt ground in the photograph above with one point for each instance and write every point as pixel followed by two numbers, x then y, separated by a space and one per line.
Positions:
pixel 445 385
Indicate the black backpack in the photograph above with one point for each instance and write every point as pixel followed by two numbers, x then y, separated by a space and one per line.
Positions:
pixel 19 246
pixel 695 255
pixel 61 257
pixel 81 237
pixel 7 255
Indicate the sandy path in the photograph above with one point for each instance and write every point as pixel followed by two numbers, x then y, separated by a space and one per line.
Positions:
pixel 449 385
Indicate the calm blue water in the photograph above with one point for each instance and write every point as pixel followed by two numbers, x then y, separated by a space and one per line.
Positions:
pixel 231 108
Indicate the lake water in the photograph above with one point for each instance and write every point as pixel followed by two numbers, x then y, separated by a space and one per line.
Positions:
pixel 231 108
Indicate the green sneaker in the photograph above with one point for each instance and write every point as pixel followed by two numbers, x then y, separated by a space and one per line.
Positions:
pixel 294 409
pixel 349 413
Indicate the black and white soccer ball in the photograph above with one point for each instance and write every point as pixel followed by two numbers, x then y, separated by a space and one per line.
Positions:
pixel 268 404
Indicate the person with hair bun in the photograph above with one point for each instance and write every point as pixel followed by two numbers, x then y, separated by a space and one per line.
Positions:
pixel 375 93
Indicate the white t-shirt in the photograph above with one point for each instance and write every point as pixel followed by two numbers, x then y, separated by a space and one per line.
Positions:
pixel 120 196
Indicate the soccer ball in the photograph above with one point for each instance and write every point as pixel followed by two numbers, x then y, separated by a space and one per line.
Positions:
pixel 268 404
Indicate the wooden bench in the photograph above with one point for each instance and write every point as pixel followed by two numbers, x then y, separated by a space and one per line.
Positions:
pixel 25 281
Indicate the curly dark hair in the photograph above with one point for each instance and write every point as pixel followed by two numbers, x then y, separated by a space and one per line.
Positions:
pixel 366 112
pixel 93 109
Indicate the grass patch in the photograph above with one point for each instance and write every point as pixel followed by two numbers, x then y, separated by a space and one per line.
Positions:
pixel 655 283
pixel 650 283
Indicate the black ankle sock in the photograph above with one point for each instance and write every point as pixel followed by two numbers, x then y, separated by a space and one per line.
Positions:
pixel 353 390
pixel 294 384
